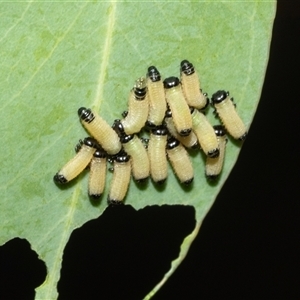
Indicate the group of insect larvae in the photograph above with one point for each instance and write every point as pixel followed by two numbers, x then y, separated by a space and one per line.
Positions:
pixel 172 110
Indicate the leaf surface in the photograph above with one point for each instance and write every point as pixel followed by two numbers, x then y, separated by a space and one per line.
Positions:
pixel 59 56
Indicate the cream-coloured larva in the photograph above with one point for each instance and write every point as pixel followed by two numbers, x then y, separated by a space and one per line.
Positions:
pixel 191 86
pixel 134 147
pixel 178 105
pixel 157 100
pixel 189 141
pixel 121 178
pixel 138 108
pixel 157 154
pixel 205 134
pixel 78 163
pixel 100 130
pixel 214 166
pixel 228 115
pixel 97 174
pixel 180 161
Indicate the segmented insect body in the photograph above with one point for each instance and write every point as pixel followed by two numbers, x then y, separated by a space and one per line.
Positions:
pixel 140 164
pixel 78 163
pixel 180 161
pixel 157 101
pixel 205 134
pixel 121 178
pixel 189 141
pixel 178 105
pixel 157 154
pixel 214 166
pixel 100 130
pixel 97 174
pixel 191 86
pixel 138 108
pixel 227 113
pixel 134 146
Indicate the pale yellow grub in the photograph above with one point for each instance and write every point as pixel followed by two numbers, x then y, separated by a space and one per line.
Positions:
pixel 120 181
pixel 214 166
pixel 191 89
pixel 157 157
pixel 231 120
pixel 181 163
pixel 205 133
pixel 139 158
pixel 180 109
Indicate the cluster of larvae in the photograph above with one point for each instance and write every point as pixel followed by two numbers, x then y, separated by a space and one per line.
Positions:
pixel 172 111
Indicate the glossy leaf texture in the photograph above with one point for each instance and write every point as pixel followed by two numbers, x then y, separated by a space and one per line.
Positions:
pixel 59 56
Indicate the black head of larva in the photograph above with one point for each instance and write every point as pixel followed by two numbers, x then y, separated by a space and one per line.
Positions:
pixel 100 153
pixel 90 142
pixel 86 114
pixel 213 153
pixel 140 89
pixel 171 82
pixel 219 130
pixel 118 127
pixel 187 68
pixel 78 146
pixel 160 130
pixel 172 143
pixel 142 180
pixel 126 138
pixel 95 197
pixel 149 125
pixel 60 179
pixel 211 177
pixel 153 74
pixel 243 137
pixel 185 132
pixel 122 157
pixel 189 181
pixel 160 182
pixel 114 202
pixel 219 96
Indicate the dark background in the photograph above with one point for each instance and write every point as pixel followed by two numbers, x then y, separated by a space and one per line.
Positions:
pixel 248 246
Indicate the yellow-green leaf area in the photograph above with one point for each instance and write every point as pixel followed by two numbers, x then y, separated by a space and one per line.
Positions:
pixel 59 56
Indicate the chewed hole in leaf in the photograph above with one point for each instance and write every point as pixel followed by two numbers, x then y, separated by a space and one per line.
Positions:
pixel 123 253
pixel 20 270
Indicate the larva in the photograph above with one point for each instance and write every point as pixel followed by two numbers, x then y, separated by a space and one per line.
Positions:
pixel 189 141
pixel 213 166
pixel 157 154
pixel 121 178
pixel 157 101
pixel 180 161
pixel 100 130
pixel 97 174
pixel 178 105
pixel 191 86
pixel 78 163
pixel 205 134
pixel 135 148
pixel 227 113
pixel 138 108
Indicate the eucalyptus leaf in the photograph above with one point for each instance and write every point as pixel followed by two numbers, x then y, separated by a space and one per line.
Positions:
pixel 59 56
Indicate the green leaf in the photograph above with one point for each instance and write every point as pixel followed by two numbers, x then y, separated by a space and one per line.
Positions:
pixel 59 56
